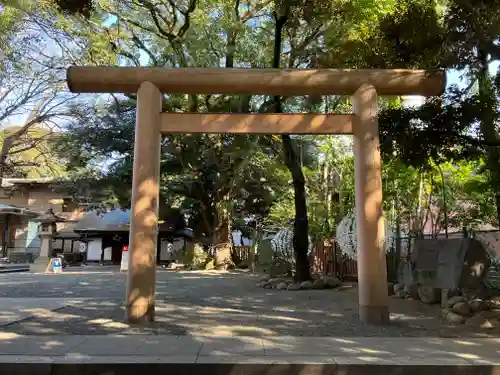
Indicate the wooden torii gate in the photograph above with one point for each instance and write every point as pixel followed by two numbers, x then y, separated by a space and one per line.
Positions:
pixel 150 83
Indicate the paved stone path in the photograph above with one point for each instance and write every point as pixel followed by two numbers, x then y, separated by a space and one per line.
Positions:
pixel 271 350
pixel 89 301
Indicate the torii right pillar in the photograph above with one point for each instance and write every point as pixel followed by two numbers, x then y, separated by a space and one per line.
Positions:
pixel 372 266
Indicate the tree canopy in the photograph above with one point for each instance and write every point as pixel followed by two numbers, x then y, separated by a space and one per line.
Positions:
pixel 217 180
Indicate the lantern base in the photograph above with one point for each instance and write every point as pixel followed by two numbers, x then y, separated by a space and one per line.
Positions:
pixel 39 265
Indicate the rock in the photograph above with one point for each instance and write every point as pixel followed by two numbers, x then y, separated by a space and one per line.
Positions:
pixel 411 290
pixel 318 284
pixel 294 287
pixel 470 294
pixel 400 294
pixel 306 285
pixel 210 265
pixel 484 319
pixel 429 294
pixel 281 286
pixel 477 304
pixel 398 287
pixel 274 282
pixel 343 288
pixel 494 302
pixel 453 318
pixel 331 282
pixel 461 308
pixel 454 300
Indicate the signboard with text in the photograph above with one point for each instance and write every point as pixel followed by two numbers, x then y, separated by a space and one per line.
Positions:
pixel 54 266
pixel 124 262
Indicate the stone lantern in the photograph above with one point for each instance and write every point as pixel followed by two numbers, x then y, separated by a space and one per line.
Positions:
pixel 47 231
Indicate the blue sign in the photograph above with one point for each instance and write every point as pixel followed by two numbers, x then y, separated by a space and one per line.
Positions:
pixel 55 265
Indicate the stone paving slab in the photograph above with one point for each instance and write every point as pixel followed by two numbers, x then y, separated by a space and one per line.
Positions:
pixel 16 309
pixel 217 349
pixel 203 302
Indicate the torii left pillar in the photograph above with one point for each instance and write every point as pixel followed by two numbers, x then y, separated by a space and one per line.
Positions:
pixel 141 280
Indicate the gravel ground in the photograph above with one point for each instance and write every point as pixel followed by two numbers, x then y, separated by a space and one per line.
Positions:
pixel 191 302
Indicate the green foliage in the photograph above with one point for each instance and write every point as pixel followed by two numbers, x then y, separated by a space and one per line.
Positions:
pixel 32 156
pixel 203 175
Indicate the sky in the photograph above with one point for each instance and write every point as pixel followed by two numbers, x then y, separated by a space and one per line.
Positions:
pixel 453 77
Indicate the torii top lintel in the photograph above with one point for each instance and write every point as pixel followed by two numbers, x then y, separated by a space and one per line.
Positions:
pixel 286 82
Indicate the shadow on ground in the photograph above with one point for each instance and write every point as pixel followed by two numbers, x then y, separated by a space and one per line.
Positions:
pixel 221 303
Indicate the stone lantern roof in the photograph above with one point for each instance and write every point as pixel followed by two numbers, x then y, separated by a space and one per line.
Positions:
pixel 50 217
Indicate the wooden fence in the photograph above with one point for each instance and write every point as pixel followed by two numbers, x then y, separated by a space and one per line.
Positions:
pixel 327 259
pixel 241 252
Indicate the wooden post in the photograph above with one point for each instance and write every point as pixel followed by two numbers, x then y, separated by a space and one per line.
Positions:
pixel 140 299
pixel 372 267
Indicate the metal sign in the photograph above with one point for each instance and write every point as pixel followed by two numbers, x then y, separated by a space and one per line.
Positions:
pixel 124 262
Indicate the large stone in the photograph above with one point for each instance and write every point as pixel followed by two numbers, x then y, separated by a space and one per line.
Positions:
pixel 281 286
pixel 412 291
pixel 461 308
pixel 306 285
pixel 318 284
pixel 477 304
pixel 400 294
pixel 453 318
pixel 294 287
pixel 485 319
pixel 331 282
pixel 223 257
pixel 429 294
pixel 398 287
pixel 268 285
pixel 454 300
pixel 494 302
pixel 343 288
pixel 210 265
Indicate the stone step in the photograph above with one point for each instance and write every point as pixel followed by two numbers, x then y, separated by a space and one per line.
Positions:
pixel 104 365
pixel 14 267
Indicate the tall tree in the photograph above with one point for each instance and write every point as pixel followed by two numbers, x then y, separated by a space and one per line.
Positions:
pixel 32 103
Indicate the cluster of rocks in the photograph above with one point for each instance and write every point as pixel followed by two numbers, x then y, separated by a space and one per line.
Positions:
pixel 475 312
pixel 403 291
pixel 463 309
pixel 322 282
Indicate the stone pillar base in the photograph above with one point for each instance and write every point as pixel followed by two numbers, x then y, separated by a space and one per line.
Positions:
pixel 374 314
pixel 140 314
pixel 40 265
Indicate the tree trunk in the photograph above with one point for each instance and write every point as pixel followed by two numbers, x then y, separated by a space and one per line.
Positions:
pixel 301 224
pixel 488 127
pixel 222 237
